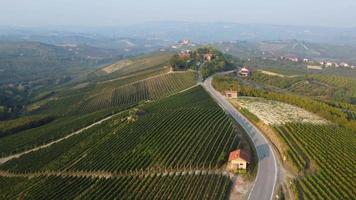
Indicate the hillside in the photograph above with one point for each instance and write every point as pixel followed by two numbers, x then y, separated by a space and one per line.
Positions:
pixel 294 48
pixel 155 151
pixel 314 139
pixel 27 61
pixel 77 104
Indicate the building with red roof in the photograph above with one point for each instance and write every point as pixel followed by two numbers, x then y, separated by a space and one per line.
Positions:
pixel 244 72
pixel 238 159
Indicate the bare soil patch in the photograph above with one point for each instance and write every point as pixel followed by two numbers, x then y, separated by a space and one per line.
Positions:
pixel 278 113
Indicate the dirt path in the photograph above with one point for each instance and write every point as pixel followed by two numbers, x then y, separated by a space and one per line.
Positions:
pixel 5 159
pixel 103 174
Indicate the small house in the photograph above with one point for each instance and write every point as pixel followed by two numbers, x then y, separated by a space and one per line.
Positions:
pixel 238 159
pixel 231 94
pixel 244 72
pixel 208 57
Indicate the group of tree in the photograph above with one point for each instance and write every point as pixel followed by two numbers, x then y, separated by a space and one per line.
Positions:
pixel 9 127
pixel 224 83
pixel 12 100
pixel 206 59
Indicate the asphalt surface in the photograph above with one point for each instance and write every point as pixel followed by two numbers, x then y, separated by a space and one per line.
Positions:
pixel 266 178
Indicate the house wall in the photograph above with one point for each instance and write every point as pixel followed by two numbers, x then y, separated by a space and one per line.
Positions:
pixel 237 164
pixel 231 95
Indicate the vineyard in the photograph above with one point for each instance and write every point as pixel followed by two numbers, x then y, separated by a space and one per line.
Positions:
pixel 95 108
pixel 31 138
pixel 333 149
pixel 160 186
pixel 148 89
pixel 345 87
pixel 187 130
pixel 174 149
pixel 132 66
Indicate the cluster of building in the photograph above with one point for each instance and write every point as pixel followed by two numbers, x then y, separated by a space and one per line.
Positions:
pixel 183 43
pixel 335 64
pixel 185 53
pixel 324 64
pixel 290 58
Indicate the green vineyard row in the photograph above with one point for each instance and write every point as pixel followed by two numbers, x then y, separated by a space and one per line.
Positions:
pixel 333 149
pixel 178 186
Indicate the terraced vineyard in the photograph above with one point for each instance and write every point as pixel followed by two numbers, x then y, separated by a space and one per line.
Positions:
pixel 333 149
pixel 148 89
pixel 187 130
pixel 31 138
pixel 174 149
pixel 174 186
pixel 344 87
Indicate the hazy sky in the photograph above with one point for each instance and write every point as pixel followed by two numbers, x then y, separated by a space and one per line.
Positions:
pixel 340 13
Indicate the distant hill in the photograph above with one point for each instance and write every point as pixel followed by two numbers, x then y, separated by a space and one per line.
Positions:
pixel 198 32
pixel 301 49
pixel 25 61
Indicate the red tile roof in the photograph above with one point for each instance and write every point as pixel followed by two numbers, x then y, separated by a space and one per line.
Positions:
pixel 239 154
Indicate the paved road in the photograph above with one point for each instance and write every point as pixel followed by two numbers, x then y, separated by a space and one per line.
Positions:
pixel 267 166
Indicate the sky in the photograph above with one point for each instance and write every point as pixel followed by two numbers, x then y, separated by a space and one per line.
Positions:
pixel 328 13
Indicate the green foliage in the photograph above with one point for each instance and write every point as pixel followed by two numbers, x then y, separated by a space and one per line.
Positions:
pixel 28 61
pixel 249 115
pixel 10 188
pixel 209 61
pixel 184 130
pixel 345 88
pixel 276 81
pixel 178 186
pixel 224 83
pixel 12 100
pixel 13 126
pixel 179 63
pixel 148 89
pixel 56 129
pixel 332 149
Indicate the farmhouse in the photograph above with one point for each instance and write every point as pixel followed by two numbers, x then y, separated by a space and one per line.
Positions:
pixel 344 64
pixel 208 57
pixel 231 94
pixel 238 159
pixel 293 59
pixel 244 72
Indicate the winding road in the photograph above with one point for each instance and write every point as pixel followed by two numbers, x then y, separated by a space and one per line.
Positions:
pixel 266 178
